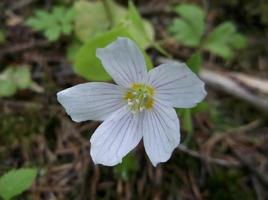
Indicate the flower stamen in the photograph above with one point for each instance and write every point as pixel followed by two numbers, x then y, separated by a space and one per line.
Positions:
pixel 139 97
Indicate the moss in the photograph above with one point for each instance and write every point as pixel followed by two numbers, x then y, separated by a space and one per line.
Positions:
pixel 18 126
pixel 228 185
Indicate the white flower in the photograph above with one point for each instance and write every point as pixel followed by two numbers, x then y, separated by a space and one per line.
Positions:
pixel 140 106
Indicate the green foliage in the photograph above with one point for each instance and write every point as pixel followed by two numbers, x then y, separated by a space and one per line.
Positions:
pixel 224 39
pixel 7 88
pixel 91 19
pixel 187 120
pixel 128 166
pixel 96 31
pixel 2 37
pixel 201 107
pixel 15 182
pixel 86 62
pixel 226 185
pixel 53 24
pixel 195 62
pixel 14 78
pixel 72 50
pixel 95 18
pixel 22 77
pixel 189 28
pixel 139 29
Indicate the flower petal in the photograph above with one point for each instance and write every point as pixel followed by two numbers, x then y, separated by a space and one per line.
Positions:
pixel 115 137
pixel 177 85
pixel 161 132
pixel 91 101
pixel 123 60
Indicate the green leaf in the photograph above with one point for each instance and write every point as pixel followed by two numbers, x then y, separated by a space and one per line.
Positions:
pixel 88 65
pixel 194 15
pixel 238 41
pixel 187 120
pixel 70 15
pixel 223 40
pixel 118 12
pixel 92 19
pixel 72 49
pixel 14 78
pixel 53 33
pixel 52 24
pixel 189 29
pixel 58 12
pixel 15 182
pixel 141 30
pixel 128 166
pixel 195 62
pixel 135 17
pixel 67 29
pixel 7 88
pixel 201 107
pixel 22 77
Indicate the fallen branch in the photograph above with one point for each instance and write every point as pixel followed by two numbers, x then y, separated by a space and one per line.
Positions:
pixel 224 81
pixel 217 161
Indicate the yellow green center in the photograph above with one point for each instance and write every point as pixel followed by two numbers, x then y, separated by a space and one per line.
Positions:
pixel 139 97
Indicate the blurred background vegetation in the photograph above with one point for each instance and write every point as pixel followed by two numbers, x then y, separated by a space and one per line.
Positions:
pixel 47 46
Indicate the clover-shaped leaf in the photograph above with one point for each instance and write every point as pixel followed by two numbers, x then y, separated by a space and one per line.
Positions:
pixel 53 24
pixel 14 78
pixel 189 28
pixel 224 39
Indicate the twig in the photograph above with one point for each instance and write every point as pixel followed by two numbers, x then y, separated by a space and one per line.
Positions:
pixel 218 136
pixel 247 163
pixel 252 82
pixel 223 82
pixel 217 161
pixel 258 188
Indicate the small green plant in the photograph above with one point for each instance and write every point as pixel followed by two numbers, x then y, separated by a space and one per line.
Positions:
pixel 128 167
pixel 53 24
pixel 125 23
pixel 15 182
pixel 190 27
pixel 189 30
pixel 14 78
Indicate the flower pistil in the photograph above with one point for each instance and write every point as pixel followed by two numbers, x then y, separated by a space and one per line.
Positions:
pixel 139 97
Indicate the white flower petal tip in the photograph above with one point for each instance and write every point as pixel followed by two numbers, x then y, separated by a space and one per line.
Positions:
pixel 91 101
pixel 123 60
pixel 115 137
pixel 161 133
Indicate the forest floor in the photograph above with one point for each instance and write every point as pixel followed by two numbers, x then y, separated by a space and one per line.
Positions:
pixel 226 158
